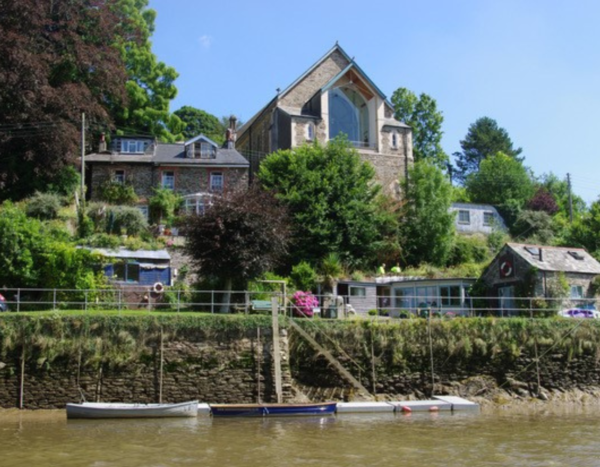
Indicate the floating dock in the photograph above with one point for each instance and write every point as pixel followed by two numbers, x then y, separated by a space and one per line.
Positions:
pixel 437 404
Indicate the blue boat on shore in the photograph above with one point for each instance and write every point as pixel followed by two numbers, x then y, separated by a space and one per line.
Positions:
pixel 272 410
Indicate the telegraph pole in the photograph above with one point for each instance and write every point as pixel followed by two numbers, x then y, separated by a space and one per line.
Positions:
pixel 82 158
pixel 570 198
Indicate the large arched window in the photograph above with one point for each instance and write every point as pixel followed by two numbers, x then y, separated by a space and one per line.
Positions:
pixel 348 114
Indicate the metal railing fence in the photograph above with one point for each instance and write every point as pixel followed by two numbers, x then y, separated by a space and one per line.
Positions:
pixel 328 306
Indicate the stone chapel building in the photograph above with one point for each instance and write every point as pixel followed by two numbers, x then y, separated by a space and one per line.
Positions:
pixel 333 96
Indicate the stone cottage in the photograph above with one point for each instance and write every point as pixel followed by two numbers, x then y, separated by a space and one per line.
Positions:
pixel 560 273
pixel 332 97
pixel 196 169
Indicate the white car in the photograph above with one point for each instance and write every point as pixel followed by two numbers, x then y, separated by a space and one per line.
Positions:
pixel 579 313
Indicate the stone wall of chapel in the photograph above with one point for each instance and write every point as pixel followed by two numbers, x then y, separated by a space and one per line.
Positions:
pixel 315 80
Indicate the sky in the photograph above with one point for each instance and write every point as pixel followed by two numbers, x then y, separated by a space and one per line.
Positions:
pixel 531 65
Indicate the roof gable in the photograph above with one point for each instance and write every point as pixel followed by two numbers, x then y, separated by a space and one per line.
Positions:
pixel 201 138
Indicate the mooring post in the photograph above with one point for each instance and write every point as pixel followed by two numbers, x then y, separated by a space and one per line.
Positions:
pixel 276 349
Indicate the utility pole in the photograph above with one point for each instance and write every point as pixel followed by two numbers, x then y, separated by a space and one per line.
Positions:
pixel 82 158
pixel 570 198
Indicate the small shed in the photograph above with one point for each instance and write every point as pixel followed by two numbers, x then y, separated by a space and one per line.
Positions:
pixel 137 267
pixel 542 267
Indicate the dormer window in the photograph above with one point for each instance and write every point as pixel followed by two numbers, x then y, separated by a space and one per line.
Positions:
pixel 204 150
pixel 133 146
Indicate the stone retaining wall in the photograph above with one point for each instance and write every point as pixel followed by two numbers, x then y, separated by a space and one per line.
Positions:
pixel 217 370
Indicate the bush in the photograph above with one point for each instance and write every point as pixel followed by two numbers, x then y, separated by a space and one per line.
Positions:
pixel 44 206
pixel 471 249
pixel 125 220
pixel 303 276
pixel 118 193
pixel 304 303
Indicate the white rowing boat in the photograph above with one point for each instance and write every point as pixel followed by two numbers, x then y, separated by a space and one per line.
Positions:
pixel 120 410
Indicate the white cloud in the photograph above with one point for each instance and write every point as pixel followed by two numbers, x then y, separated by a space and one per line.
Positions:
pixel 205 41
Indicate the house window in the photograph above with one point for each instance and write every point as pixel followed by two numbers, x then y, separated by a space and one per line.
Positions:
pixel 358 292
pixel 168 180
pixel 204 150
pixel 404 298
pixel 576 291
pixel 133 146
pixel 144 210
pixel 464 217
pixel 126 272
pixel 310 131
pixel 348 114
pixel 119 176
pixel 216 181
pixel 196 204
pixel 450 295
pixel 395 140
pixel 488 219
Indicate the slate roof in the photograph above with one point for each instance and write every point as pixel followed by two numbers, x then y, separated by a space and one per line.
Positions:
pixel 557 258
pixel 173 154
pixel 134 254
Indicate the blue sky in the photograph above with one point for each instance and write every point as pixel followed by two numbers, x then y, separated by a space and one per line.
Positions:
pixel 532 65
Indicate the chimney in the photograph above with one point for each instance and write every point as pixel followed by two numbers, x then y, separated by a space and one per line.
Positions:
pixel 102 143
pixel 231 134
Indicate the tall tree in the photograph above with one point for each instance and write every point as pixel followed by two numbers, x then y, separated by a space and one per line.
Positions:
pixel 151 83
pixel 427 226
pixel 239 237
pixel 426 120
pixel 484 139
pixel 500 178
pixel 57 60
pixel 331 196
pixel 198 122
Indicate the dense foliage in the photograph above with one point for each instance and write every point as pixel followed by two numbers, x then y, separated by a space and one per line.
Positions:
pixel 484 139
pixel 427 226
pixel 198 122
pixel 240 236
pixel 422 115
pixel 331 197
pixel 57 60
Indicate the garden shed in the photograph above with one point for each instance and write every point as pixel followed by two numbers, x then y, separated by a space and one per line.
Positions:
pixel 137 267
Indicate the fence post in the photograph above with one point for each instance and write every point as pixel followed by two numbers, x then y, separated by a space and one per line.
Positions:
pixel 54 300
pixel 212 301
pixel 18 300
pixel 85 303
pixel 178 300
pixel 531 307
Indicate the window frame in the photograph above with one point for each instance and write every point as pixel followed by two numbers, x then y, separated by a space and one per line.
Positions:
pixel 460 215
pixel 119 176
pixel 357 288
pixel 164 177
pixel 214 186
pixel 133 146
pixel 488 218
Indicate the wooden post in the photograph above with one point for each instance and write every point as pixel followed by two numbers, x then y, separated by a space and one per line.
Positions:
pixel 160 381
pixel 21 389
pixel 259 363
pixel 276 350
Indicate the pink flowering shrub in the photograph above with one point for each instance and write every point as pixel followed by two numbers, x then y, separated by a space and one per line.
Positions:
pixel 304 303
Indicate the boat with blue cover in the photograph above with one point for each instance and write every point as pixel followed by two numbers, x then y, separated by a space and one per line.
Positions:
pixel 272 410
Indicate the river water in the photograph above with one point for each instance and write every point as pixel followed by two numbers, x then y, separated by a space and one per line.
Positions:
pixel 46 438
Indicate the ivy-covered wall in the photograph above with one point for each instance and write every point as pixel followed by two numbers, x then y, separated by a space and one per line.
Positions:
pixel 47 361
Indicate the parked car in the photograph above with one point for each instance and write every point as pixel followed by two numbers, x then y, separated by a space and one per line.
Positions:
pixel 3 304
pixel 579 313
